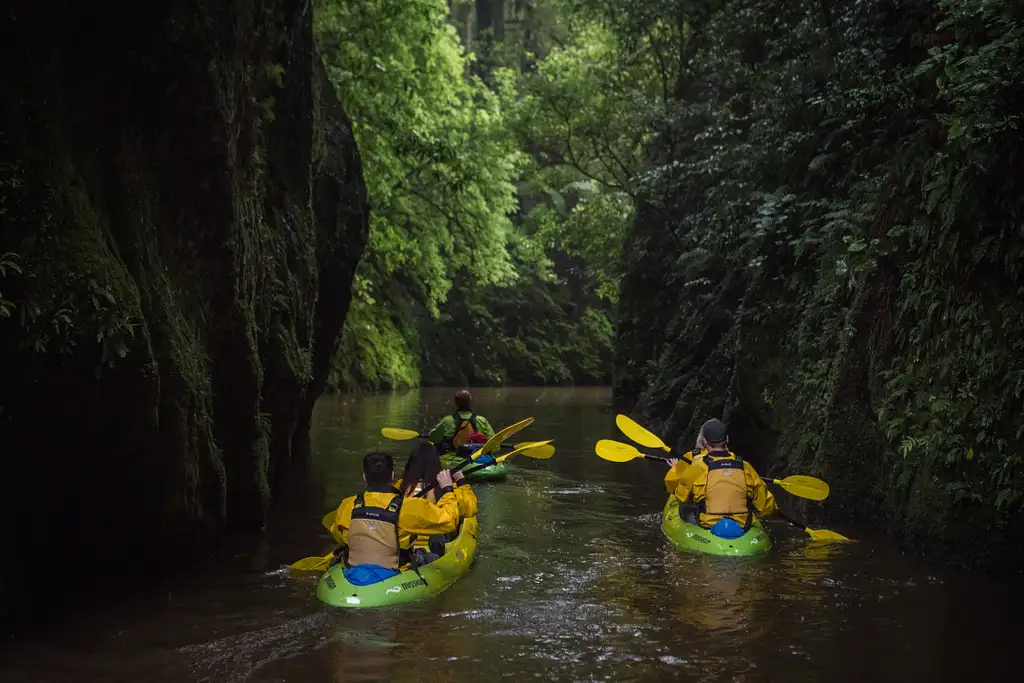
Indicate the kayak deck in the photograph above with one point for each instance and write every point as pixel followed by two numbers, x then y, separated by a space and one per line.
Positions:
pixel 695 538
pixel 496 471
pixel 334 589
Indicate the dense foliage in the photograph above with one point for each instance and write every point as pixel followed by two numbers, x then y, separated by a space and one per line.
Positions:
pixel 815 203
pixel 827 246
pixel 462 282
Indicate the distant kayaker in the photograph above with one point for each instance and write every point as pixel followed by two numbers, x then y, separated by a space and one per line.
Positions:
pixel 726 489
pixel 455 429
pixel 377 526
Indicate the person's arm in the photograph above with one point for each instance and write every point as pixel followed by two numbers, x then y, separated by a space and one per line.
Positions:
pixel 444 428
pixel 484 426
pixel 687 481
pixel 342 520
pixel 760 495
pixel 420 517
pixel 674 476
pixel 465 495
pixel 677 466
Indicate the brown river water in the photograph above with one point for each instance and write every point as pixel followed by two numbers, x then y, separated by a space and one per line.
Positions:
pixel 574 581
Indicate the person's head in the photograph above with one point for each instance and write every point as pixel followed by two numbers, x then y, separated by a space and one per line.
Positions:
pixel 378 469
pixel 423 465
pixel 463 400
pixel 713 436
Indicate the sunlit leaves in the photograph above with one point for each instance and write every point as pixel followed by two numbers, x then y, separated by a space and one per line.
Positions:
pixel 438 162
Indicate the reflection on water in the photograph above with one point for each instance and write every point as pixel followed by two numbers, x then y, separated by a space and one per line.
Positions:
pixel 573 582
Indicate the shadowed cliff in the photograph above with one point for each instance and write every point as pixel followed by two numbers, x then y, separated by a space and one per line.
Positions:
pixel 182 212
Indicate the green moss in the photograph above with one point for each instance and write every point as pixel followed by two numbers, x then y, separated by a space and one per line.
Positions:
pixel 73 288
pixel 379 349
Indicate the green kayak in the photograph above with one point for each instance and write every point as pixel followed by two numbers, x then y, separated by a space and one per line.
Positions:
pixel 698 539
pixel 496 471
pixel 406 586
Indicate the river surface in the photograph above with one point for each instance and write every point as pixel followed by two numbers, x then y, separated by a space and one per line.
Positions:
pixel 573 582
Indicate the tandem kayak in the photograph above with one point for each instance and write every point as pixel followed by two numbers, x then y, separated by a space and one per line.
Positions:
pixel 406 586
pixel 498 470
pixel 698 539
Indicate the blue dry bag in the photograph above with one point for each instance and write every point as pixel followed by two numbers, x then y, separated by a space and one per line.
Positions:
pixel 367 574
pixel 727 528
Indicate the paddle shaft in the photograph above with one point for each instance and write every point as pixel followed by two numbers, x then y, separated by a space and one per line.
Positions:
pixel 789 519
pixel 766 479
pixel 457 468
pixel 661 458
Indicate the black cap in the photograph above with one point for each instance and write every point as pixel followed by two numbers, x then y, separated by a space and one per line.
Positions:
pixel 714 431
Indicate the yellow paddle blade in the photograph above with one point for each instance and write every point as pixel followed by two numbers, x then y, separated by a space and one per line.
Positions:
pixel 825 535
pixel 811 488
pixel 538 450
pixel 398 434
pixel 328 520
pixel 496 440
pixel 637 433
pixel 312 564
pixel 616 451
pixel 526 449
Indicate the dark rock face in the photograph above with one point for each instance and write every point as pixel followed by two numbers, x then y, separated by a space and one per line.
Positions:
pixel 182 211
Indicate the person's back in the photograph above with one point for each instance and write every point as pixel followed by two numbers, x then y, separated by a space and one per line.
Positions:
pixel 726 489
pixel 421 472
pixel 454 430
pixel 378 525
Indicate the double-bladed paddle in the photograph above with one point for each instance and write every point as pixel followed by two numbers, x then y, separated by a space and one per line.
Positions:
pixel 797 484
pixel 493 443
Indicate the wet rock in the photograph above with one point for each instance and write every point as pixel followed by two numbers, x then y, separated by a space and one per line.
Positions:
pixel 183 210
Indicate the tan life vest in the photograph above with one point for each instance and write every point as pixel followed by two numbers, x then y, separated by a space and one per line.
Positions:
pixel 373 533
pixel 725 492
pixel 464 426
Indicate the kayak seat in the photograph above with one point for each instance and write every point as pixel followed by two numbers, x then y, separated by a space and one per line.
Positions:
pixel 727 528
pixel 422 557
pixel 688 513
pixel 367 574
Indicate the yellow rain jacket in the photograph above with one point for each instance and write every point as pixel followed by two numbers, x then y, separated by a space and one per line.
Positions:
pixel 467 503
pixel 726 493
pixel 675 473
pixel 418 517
pixel 463 494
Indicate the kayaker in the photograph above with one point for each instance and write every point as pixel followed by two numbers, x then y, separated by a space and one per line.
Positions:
pixel 725 488
pixel 676 466
pixel 454 430
pixel 377 526
pixel 422 470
